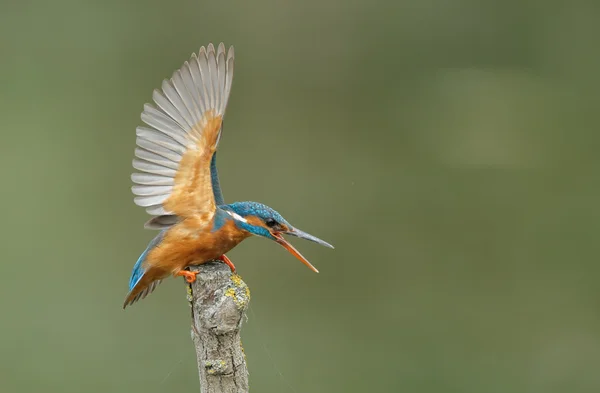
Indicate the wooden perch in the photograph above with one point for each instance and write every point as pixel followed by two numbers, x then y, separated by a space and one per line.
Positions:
pixel 219 300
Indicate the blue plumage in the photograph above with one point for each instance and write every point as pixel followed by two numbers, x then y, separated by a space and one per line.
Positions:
pixel 138 269
pixel 255 209
pixel 245 209
pixel 216 186
pixel 220 218
pixel 264 212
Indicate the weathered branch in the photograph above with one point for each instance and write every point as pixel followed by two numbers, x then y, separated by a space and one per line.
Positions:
pixel 219 300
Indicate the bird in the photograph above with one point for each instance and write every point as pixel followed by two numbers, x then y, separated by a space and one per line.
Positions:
pixel 178 184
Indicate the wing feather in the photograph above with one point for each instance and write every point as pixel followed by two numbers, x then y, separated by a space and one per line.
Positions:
pixel 158 149
pixel 160 121
pixel 196 82
pixel 148 167
pixel 187 99
pixel 152 180
pixel 166 104
pixel 205 78
pixel 177 101
pixel 228 75
pixel 160 138
pixel 146 190
pixel 150 200
pixel 156 210
pixel 175 150
pixel 212 70
pixel 155 158
pixel 220 74
pixel 190 87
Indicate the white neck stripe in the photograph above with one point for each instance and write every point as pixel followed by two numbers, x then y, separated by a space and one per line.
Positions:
pixel 236 216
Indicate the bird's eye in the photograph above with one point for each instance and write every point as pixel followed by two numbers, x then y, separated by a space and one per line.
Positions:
pixel 270 222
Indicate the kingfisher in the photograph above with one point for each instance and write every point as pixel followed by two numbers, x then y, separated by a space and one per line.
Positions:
pixel 178 183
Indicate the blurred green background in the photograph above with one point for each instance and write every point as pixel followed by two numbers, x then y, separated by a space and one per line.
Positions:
pixel 447 148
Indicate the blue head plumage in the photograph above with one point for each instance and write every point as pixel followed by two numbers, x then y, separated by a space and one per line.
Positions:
pixel 268 217
pixel 261 220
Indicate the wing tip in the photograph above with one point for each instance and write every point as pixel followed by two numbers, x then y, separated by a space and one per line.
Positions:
pixel 220 49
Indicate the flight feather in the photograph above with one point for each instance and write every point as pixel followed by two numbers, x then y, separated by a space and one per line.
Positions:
pixel 183 129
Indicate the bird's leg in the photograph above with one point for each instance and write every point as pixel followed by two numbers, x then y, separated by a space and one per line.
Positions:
pixel 227 261
pixel 190 277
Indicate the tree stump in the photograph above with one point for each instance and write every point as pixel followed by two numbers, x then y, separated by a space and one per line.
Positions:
pixel 219 300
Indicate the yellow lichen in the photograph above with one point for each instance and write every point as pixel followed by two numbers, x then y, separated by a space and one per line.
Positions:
pixel 240 297
pixel 238 291
pixel 190 295
pixel 231 293
pixel 215 366
pixel 237 280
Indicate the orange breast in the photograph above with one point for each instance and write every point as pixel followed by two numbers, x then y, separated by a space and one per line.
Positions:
pixel 185 244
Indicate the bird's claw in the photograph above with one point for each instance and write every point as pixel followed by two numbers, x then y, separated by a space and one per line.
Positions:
pixel 189 276
pixel 228 262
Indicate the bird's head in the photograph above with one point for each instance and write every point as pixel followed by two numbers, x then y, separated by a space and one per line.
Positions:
pixel 261 220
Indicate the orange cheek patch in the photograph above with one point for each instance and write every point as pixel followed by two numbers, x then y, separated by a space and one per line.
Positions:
pixel 255 221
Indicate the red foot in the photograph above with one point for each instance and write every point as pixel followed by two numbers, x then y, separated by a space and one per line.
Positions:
pixel 190 277
pixel 228 262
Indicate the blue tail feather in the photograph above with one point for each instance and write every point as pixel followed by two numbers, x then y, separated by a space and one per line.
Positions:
pixel 138 268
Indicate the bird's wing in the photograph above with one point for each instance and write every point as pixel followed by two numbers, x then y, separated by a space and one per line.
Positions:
pixel 175 151
pixel 216 185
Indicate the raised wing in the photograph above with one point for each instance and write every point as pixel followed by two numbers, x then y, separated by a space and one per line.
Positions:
pixel 216 185
pixel 175 151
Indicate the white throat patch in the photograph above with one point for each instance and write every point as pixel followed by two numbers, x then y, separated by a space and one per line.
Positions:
pixel 236 216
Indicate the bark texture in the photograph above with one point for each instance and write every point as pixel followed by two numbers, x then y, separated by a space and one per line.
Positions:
pixel 219 300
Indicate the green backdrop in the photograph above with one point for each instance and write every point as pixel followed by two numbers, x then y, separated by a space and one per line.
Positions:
pixel 448 149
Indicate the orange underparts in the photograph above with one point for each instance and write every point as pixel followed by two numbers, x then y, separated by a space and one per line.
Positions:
pixel 190 277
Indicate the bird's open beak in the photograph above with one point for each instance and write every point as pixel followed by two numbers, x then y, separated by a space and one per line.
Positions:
pixel 302 235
